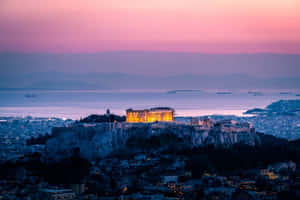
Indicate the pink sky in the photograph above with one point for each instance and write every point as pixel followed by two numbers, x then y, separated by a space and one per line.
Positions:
pixel 214 26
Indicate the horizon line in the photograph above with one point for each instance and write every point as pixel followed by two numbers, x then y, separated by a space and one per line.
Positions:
pixel 147 51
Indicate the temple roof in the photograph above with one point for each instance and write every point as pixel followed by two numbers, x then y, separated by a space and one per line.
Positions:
pixel 151 109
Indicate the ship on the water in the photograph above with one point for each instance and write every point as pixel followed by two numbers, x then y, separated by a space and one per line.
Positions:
pixel 30 95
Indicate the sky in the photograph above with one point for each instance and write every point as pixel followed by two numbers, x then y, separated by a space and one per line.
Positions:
pixel 211 26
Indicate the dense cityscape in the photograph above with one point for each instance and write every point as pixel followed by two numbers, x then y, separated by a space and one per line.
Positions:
pixel 105 157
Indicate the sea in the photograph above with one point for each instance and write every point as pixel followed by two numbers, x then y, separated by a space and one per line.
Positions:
pixel 76 104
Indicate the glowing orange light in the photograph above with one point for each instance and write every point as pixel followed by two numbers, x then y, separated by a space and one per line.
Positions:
pixel 135 116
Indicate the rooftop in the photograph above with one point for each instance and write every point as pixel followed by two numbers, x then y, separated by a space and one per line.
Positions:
pixel 151 109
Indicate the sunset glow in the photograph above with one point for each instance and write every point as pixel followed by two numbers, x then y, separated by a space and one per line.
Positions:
pixel 216 26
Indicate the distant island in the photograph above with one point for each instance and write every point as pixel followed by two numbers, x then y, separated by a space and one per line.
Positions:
pixel 285 93
pixel 254 93
pixel 223 92
pixel 183 91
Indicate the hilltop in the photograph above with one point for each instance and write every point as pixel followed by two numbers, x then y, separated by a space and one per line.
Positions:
pixel 281 107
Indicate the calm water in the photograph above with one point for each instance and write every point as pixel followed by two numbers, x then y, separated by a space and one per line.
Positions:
pixel 76 104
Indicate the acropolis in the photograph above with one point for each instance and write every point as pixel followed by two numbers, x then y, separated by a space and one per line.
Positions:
pixel 150 115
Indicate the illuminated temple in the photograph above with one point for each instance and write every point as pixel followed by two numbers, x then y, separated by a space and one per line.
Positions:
pixel 150 115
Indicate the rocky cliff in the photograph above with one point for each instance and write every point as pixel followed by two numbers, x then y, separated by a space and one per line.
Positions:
pixel 102 139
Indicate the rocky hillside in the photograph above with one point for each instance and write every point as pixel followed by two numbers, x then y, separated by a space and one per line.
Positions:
pixel 103 139
pixel 282 107
pixel 281 119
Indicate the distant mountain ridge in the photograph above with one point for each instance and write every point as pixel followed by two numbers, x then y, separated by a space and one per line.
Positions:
pixel 108 81
pixel 149 70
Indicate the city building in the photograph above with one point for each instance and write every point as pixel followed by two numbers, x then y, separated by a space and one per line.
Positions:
pixel 150 115
pixel 205 123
